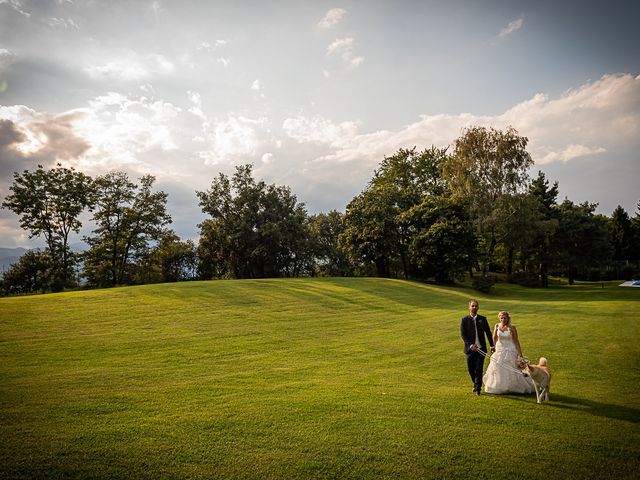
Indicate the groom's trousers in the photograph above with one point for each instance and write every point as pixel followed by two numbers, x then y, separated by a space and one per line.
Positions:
pixel 475 365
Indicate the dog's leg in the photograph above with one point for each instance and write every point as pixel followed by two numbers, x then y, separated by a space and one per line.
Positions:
pixel 535 387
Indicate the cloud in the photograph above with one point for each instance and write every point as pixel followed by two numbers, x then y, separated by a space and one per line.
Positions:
pixel 512 26
pixel 6 58
pixel 131 67
pixel 332 18
pixel 224 61
pixel 324 161
pixel 64 23
pixel 593 119
pixel 319 130
pixel 234 140
pixel 570 152
pixel 344 48
pixel 16 6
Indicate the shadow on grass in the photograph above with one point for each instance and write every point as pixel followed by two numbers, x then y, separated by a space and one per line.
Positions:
pixel 608 410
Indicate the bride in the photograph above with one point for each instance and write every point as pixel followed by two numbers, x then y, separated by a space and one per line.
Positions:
pixel 502 375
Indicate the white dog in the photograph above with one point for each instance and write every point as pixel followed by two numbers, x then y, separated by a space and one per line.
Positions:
pixel 541 376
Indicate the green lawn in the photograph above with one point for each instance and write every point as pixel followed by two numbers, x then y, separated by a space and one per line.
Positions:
pixel 311 378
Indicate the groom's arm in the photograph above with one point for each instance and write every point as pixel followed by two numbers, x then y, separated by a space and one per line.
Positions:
pixel 487 332
pixel 464 334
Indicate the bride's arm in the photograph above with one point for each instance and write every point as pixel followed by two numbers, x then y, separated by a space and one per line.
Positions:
pixel 495 334
pixel 514 334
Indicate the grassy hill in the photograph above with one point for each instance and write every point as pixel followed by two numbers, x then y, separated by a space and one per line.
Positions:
pixel 311 378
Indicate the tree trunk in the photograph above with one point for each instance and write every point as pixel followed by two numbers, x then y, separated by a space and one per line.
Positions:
pixel 510 260
pixel 489 257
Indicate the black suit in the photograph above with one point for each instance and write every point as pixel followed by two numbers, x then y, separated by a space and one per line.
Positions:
pixel 475 361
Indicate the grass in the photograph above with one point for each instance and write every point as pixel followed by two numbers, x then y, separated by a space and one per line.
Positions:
pixel 311 378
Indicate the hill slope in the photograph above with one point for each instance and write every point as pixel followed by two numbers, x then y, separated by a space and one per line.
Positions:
pixel 310 378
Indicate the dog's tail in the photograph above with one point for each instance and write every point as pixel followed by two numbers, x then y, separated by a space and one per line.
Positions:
pixel 542 362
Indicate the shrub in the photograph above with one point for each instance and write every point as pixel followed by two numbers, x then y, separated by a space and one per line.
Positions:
pixel 483 284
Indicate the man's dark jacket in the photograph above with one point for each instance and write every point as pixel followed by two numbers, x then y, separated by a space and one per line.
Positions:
pixel 468 332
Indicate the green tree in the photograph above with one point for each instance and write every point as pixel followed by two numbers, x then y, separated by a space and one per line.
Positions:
pixel 128 218
pixel 371 233
pixel 171 260
pixel 581 241
pixel 444 240
pixel 486 165
pixel 376 228
pixel 30 274
pixel 325 230
pixel 620 234
pixel 541 249
pixel 50 203
pixel 255 230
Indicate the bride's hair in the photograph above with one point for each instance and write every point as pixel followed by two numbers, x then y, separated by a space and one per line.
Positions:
pixel 508 317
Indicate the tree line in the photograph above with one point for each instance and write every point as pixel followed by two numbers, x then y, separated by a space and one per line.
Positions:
pixel 440 213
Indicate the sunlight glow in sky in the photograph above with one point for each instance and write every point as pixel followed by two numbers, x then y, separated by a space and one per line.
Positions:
pixel 315 94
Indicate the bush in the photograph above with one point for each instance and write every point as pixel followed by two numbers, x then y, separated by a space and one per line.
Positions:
pixel 483 284
pixel 525 279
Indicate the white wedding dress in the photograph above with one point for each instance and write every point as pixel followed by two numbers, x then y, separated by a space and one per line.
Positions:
pixel 502 374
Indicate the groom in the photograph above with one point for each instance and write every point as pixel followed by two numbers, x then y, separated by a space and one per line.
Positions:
pixel 473 329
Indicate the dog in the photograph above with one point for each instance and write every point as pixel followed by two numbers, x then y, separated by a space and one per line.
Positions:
pixel 541 376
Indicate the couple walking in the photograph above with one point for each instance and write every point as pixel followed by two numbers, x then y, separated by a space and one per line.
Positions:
pixel 502 374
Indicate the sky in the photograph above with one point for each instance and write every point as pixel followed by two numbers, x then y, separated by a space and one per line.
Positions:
pixel 314 94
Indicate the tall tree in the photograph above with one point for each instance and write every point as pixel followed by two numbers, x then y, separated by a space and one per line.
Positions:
pixel 128 218
pixel 443 241
pixel 50 203
pixel 486 165
pixel 255 230
pixel 376 227
pixel 620 234
pixel 581 241
pixel 325 232
pixel 546 198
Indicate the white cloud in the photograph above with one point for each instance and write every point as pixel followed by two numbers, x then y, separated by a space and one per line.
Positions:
pixel 17 6
pixel 344 48
pixel 64 23
pixel 196 109
pixel 332 17
pixel 211 47
pixel 6 57
pixel 235 139
pixel 131 67
pixel 224 61
pixel 590 120
pixel 569 153
pixel 320 130
pixel 512 26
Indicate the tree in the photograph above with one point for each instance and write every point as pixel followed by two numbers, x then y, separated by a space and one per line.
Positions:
pixel 31 273
pixel 171 260
pixel 376 227
pixel 540 250
pixel 255 230
pixel 581 242
pixel 444 238
pixel 50 202
pixel 370 232
pixel 620 234
pixel 325 230
pixel 486 165
pixel 128 218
